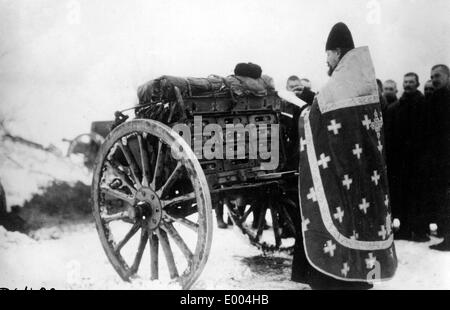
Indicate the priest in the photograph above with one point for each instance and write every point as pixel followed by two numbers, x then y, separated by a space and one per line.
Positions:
pixel 346 241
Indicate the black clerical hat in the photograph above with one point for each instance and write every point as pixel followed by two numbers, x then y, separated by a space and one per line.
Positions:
pixel 340 37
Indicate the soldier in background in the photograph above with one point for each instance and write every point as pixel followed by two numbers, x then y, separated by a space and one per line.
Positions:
pixel 428 90
pixel 289 121
pixel 301 88
pixel 440 149
pixel 390 91
pixel 294 84
pixel 380 94
pixel 390 96
pixel 406 140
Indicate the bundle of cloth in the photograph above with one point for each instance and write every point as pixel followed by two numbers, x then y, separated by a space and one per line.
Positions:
pixel 247 80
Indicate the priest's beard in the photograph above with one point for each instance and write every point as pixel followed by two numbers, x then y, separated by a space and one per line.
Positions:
pixel 330 70
pixel 332 67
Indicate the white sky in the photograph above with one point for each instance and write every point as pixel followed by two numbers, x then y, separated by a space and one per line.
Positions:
pixel 64 64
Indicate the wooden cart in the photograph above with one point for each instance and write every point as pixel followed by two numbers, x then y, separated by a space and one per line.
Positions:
pixel 149 186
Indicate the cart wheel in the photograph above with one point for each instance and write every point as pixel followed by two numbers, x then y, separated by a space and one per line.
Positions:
pixel 147 179
pixel 270 224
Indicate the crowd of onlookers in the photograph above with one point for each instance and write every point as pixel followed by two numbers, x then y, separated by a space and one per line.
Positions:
pixel 417 139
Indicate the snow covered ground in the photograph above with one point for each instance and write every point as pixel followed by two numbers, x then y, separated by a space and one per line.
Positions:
pixel 72 258
pixel 60 260
pixel 24 169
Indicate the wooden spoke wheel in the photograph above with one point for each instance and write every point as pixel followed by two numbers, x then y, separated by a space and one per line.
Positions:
pixel 148 187
pixel 270 223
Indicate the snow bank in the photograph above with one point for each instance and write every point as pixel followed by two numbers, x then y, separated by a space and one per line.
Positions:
pixel 24 169
pixel 13 239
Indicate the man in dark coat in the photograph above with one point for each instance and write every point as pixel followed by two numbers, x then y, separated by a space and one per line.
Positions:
pixel 406 144
pixel 302 91
pixel 428 90
pixel 390 92
pixel 390 97
pixel 290 116
pixel 440 150
pixel 346 240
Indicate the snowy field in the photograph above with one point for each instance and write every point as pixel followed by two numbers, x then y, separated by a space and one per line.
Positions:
pixel 72 258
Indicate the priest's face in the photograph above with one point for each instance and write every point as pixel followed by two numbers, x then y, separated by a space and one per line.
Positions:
pixel 332 60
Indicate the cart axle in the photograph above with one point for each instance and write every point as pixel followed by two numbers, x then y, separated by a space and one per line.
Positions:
pixel 149 207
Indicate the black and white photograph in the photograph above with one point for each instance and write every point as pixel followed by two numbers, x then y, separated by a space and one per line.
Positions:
pixel 208 145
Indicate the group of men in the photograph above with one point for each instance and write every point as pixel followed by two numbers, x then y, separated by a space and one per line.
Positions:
pixel 417 133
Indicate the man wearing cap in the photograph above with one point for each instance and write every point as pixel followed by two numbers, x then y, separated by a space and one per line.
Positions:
pixel 346 241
